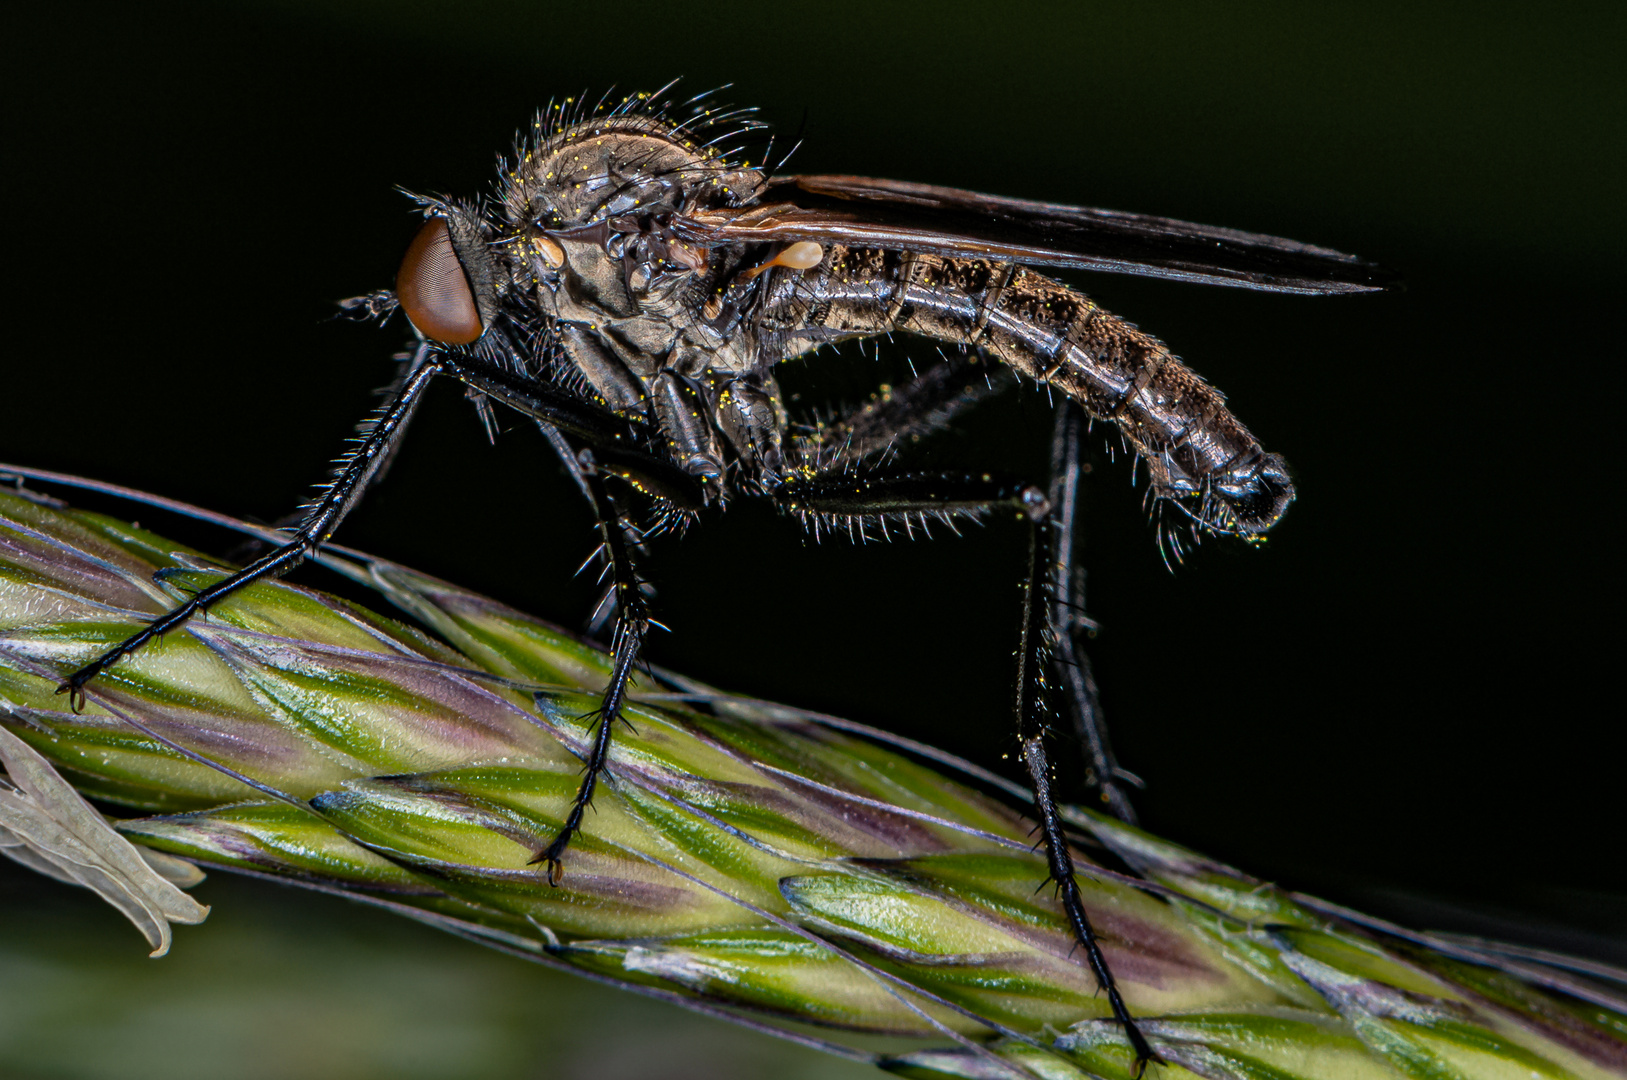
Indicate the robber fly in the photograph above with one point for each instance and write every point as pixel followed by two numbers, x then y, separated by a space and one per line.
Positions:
pixel 631 289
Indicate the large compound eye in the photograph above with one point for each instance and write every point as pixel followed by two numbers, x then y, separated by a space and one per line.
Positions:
pixel 434 290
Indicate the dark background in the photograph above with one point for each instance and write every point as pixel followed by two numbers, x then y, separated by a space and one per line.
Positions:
pixel 1407 700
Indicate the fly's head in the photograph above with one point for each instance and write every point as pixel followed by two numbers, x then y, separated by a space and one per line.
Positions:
pixel 452 281
pixel 580 228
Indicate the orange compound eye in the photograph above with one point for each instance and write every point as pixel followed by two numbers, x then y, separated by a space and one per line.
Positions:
pixel 434 290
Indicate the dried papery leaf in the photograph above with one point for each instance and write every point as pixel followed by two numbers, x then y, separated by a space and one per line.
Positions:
pixel 48 826
pixel 742 857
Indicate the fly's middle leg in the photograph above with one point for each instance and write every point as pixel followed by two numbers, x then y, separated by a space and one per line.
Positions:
pixel 676 494
pixel 626 642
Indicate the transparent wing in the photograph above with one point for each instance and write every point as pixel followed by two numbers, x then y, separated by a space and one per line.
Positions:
pixel 859 211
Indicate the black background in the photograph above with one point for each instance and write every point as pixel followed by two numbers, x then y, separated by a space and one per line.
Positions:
pixel 1412 686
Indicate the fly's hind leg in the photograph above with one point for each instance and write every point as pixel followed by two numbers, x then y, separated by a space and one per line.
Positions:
pixel 1033 663
pixel 905 414
pixel 1070 662
pixel 858 497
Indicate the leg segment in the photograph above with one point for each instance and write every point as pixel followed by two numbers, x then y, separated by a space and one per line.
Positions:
pixel 1071 664
pixel 632 622
pixel 861 496
pixel 411 363
pixel 884 494
pixel 615 447
pixel 619 445
pixel 851 500
pixel 567 457
pixel 354 472
pixel 1033 662
pixel 922 407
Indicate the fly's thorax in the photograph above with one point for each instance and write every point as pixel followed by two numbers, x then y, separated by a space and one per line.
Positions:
pixel 591 201
pixel 620 165
pixel 653 322
pixel 589 285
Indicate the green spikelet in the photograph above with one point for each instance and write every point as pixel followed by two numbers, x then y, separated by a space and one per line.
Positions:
pixel 741 856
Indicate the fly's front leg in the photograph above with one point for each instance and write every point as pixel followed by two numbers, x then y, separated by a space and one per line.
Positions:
pixel 567 457
pixel 607 375
pixel 632 623
pixel 1033 663
pixel 411 363
pixel 1068 622
pixel 618 444
pixel 354 473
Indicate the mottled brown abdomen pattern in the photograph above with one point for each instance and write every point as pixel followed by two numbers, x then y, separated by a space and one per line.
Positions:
pixel 1198 454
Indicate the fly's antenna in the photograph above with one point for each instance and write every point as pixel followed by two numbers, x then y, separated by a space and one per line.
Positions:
pixel 377 305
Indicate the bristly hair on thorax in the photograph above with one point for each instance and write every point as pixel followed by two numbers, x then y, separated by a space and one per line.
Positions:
pixel 700 122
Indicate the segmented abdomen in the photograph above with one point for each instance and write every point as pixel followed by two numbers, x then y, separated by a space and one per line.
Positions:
pixel 1198 454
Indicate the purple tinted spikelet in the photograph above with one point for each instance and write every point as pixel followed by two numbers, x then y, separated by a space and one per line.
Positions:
pixel 742 857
